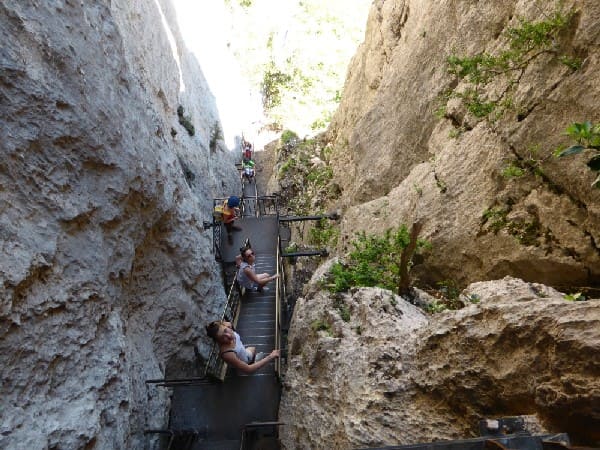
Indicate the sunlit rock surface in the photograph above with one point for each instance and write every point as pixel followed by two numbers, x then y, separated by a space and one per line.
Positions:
pixel 106 275
pixel 398 162
pixel 391 375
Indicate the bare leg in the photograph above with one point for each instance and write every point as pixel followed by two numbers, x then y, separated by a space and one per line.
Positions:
pixel 264 278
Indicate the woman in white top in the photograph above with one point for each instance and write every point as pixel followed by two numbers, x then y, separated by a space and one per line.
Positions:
pixel 247 276
pixel 232 350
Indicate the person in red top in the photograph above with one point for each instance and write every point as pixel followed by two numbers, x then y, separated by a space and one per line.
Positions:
pixel 231 212
pixel 247 147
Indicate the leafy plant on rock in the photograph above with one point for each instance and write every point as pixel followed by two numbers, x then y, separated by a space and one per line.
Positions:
pixel 324 233
pixel 185 121
pixel 526 43
pixel 375 261
pixel 273 83
pixel 320 325
pixel 216 134
pixel 588 139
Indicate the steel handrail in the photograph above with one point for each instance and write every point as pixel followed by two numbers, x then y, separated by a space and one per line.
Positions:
pixel 214 364
pixel 277 312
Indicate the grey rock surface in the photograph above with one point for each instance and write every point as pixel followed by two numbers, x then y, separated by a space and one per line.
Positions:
pixel 397 162
pixel 388 374
pixel 106 275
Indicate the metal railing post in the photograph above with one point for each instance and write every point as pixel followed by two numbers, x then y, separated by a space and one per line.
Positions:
pixel 277 312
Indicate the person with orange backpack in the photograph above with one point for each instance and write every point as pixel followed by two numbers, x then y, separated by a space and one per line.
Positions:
pixel 230 213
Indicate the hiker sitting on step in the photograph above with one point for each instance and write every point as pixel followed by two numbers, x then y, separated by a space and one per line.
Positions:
pixel 232 350
pixel 247 276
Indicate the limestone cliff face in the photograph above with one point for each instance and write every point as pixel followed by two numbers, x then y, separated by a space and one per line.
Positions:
pixel 383 373
pixel 106 275
pixel 397 162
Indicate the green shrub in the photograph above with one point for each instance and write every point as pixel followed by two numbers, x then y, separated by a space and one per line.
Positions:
pixel 320 325
pixel 343 310
pixel 495 218
pixel 272 86
pixel 288 165
pixel 512 171
pixel 288 136
pixel 526 43
pixel 320 175
pixel 292 248
pixel 587 137
pixel 576 297
pixel 216 134
pixel 436 307
pixel 572 63
pixel 375 261
pixel 324 234
pixel 185 121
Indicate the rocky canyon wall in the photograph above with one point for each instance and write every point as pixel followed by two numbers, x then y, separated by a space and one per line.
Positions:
pixel 384 373
pixel 398 162
pixel 106 275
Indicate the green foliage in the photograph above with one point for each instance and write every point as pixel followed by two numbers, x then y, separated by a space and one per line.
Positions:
pixel 324 234
pixel 436 307
pixel 307 186
pixel 343 310
pixel 449 289
pixel 526 232
pixel 320 175
pixel 495 217
pixel 322 122
pixel 286 166
pixel 292 248
pixel 572 63
pixel 320 325
pixel 312 55
pixel 576 297
pixel 587 137
pixel 273 83
pixel 531 163
pixel 216 134
pixel 585 134
pixel 288 136
pixel 185 121
pixel 441 111
pixel 526 43
pixel 474 298
pixel 375 261
pixel 512 171
pixel 441 185
pixel 456 132
pixel 530 36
